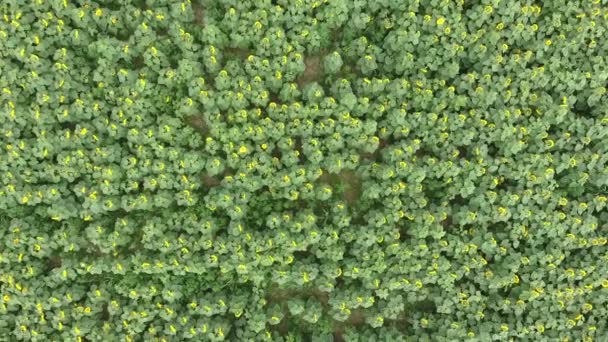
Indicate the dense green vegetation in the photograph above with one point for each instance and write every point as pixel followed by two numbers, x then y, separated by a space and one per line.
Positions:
pixel 303 170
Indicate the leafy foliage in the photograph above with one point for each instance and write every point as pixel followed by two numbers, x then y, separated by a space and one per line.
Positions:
pixel 303 170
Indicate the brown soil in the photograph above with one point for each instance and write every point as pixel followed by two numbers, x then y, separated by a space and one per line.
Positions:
pixel 352 184
pixel 238 52
pixel 312 71
pixel 197 122
pixel 352 190
pixel 199 13
pixel 54 262
pixel 210 181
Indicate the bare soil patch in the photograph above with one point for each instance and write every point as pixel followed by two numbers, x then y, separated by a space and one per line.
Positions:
pixel 312 71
